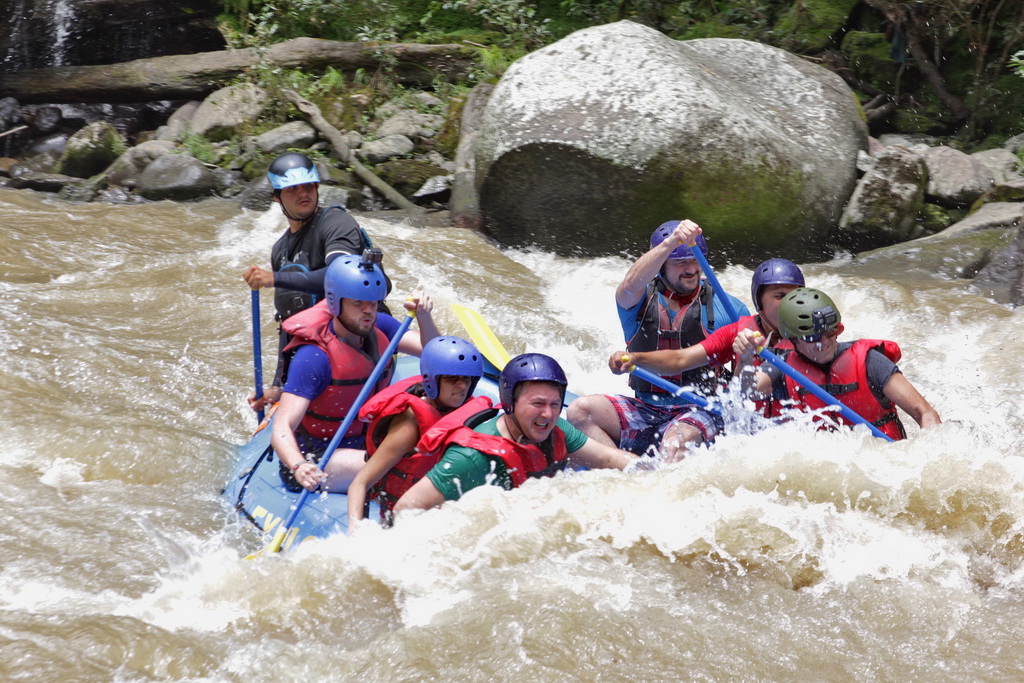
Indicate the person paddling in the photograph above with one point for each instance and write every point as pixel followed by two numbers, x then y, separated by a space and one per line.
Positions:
pixel 315 237
pixel 527 440
pixel 334 348
pixel 451 367
pixel 771 282
pixel 862 374
pixel 663 304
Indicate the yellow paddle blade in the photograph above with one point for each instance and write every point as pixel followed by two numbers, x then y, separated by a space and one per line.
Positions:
pixel 481 336
pixel 275 545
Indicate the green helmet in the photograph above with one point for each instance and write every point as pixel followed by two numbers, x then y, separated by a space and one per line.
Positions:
pixel 807 312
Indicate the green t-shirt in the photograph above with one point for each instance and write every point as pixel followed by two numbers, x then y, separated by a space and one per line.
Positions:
pixel 462 469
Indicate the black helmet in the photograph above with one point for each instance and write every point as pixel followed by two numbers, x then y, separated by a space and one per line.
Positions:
pixel 292 169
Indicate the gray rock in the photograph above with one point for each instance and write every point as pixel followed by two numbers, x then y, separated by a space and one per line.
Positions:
pixel 402 123
pixel 331 195
pixel 178 123
pixel 225 111
pixel 178 177
pixel 915 142
pixel 1014 144
pixel 126 168
pixel 41 182
pixel 90 150
pixel 1003 164
pixel 437 159
pixel 435 188
pixel 378 151
pixel 955 178
pixel 54 143
pixel 994 216
pixel 425 99
pixel 1003 277
pixel 257 195
pixel 10 113
pixel 887 199
pixel 297 134
pixel 755 143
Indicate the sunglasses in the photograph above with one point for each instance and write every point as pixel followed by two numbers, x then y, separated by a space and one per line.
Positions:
pixel 815 338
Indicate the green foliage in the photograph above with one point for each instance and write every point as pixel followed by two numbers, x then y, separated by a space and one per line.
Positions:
pixel 515 18
pixel 1016 63
pixel 199 147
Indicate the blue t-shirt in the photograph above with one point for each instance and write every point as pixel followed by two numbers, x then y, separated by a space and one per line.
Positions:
pixel 630 324
pixel 309 371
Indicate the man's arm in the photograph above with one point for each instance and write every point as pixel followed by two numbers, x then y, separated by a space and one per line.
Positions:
pixel 663 362
pixel 422 496
pixel 598 456
pixel 900 391
pixel 289 413
pixel 631 290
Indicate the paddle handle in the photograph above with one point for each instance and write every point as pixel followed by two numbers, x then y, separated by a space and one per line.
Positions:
pixel 257 351
pixel 364 393
pixel 715 284
pixel 828 398
pixel 673 389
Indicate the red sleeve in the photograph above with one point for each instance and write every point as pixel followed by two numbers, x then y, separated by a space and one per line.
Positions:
pixel 718 346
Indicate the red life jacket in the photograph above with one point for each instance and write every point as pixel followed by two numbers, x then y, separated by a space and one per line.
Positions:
pixel 379 411
pixel 350 368
pixel 656 332
pixel 521 460
pixel 847 380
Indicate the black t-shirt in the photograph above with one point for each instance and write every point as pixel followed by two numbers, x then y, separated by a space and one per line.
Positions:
pixel 299 260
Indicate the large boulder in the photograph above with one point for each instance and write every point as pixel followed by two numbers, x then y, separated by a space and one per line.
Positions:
pixel 178 177
pixel 225 112
pixel 954 178
pixel 887 200
pixel 91 149
pixel 590 143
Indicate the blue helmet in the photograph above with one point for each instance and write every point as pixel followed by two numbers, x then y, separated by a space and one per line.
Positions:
pixel 292 169
pixel 452 356
pixel 528 367
pixel 774 271
pixel 683 251
pixel 350 277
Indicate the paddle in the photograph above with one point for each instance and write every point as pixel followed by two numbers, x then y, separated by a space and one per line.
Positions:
pixel 715 284
pixel 257 352
pixel 782 365
pixel 482 337
pixel 364 393
pixel 673 389
pixel 806 383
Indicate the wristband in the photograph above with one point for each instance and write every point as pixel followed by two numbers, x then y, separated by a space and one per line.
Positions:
pixel 299 464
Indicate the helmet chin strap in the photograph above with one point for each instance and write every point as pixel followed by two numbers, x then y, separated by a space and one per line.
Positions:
pixel 515 421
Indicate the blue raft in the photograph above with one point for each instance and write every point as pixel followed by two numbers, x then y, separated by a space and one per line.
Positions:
pixel 257 492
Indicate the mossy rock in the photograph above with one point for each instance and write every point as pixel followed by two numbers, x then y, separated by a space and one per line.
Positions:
pixel 712 29
pixel 407 175
pixel 1007 192
pixel 447 139
pixel 341 177
pixel 933 218
pixel 810 24
pixel 343 112
pixel 91 150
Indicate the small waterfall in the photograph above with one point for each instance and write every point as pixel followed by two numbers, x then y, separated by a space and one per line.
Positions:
pixel 63 19
pixel 17 54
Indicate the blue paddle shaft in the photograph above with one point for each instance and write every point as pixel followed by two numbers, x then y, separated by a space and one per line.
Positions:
pixel 350 417
pixel 257 350
pixel 671 388
pixel 715 284
pixel 828 398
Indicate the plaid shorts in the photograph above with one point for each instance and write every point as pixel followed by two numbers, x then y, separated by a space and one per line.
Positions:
pixel 643 425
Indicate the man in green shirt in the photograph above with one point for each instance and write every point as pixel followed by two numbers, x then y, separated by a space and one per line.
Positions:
pixel 528 439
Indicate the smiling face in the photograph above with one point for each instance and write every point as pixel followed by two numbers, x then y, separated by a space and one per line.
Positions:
pixel 299 201
pixel 452 391
pixel 537 407
pixel 821 351
pixel 681 275
pixel 771 297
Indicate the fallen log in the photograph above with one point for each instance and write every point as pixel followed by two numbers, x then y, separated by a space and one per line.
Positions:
pixel 194 76
pixel 334 137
